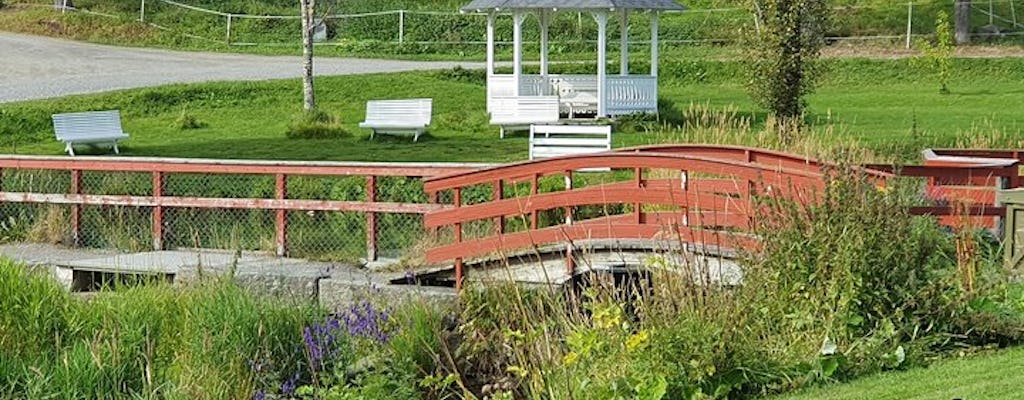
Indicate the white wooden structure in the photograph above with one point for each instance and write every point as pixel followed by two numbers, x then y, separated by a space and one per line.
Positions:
pixel 410 116
pixel 548 141
pixel 518 113
pixel 89 128
pixel 602 94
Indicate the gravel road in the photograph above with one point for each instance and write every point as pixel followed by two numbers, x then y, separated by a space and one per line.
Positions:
pixel 35 67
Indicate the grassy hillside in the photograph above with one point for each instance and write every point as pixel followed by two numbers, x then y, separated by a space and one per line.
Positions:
pixel 710 22
pixel 993 377
pixel 888 106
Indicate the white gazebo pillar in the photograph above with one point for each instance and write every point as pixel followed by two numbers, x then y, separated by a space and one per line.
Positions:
pixel 602 62
pixel 654 43
pixel 624 43
pixel 544 17
pixel 517 50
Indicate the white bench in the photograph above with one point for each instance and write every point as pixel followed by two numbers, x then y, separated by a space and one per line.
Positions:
pixel 90 128
pixel 520 112
pixel 548 141
pixel 398 116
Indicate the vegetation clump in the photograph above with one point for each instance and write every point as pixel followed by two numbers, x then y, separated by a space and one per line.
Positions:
pixel 316 124
pixel 783 54
pixel 938 57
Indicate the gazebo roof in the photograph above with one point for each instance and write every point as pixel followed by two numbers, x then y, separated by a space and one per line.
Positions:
pixel 511 5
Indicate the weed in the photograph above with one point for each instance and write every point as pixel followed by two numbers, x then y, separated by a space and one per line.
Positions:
pixel 316 125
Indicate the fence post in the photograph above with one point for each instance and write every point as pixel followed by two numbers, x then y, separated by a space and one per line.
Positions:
pixel 76 210
pixel 281 217
pixel 910 21
pixel 458 240
pixel 371 220
pixel 401 26
pixel 142 11
pixel 227 37
pixel 570 261
pixel 158 211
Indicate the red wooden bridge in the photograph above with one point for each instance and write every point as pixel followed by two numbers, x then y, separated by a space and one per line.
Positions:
pixel 700 195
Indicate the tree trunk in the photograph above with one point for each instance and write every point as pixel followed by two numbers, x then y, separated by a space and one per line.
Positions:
pixel 309 101
pixel 962 21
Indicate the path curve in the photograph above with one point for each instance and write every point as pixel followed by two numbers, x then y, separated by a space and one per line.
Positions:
pixel 37 67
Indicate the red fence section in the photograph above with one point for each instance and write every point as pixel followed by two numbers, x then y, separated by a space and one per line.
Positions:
pixel 158 202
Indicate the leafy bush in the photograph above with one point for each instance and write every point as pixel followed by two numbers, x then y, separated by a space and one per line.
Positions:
pixel 784 54
pixel 187 121
pixel 316 125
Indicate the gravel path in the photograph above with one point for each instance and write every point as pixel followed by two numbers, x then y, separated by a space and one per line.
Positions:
pixel 35 67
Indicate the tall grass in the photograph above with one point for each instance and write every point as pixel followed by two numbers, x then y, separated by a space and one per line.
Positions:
pixel 154 341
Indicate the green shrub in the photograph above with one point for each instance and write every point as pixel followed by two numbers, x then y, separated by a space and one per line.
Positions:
pixel 316 125
pixel 187 121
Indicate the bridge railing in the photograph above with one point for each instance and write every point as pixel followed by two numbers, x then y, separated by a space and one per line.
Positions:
pixel 638 194
pixel 318 210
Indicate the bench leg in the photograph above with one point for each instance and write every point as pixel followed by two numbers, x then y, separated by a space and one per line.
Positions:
pixel 116 150
pixel 502 132
pixel 372 132
pixel 416 136
pixel 70 150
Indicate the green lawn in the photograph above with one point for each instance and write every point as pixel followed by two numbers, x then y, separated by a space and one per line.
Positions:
pixel 989 377
pixel 886 106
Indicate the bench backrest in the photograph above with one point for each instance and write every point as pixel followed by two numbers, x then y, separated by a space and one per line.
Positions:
pixel 525 109
pixel 563 140
pixel 410 110
pixel 87 124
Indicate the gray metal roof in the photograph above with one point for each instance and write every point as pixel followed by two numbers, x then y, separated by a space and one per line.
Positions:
pixel 508 5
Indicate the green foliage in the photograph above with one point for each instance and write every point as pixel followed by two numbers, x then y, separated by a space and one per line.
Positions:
pixel 938 57
pixel 187 121
pixel 153 341
pixel 316 124
pixel 783 54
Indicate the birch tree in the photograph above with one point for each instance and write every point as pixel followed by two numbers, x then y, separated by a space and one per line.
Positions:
pixel 962 21
pixel 308 26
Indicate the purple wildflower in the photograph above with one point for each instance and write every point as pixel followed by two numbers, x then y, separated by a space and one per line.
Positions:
pixel 288 387
pixel 259 395
pixel 366 321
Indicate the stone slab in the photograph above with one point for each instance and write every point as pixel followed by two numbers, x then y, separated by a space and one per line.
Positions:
pixel 337 294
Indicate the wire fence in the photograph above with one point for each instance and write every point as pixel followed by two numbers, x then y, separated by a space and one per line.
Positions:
pixel 321 211
pixel 896 22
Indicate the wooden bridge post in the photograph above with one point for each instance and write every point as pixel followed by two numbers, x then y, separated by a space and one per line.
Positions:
pixel 458 239
pixel 638 178
pixel 76 210
pixel 533 192
pixel 570 261
pixel 499 193
pixel 158 211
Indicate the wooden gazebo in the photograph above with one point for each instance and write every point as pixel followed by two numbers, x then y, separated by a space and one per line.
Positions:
pixel 602 94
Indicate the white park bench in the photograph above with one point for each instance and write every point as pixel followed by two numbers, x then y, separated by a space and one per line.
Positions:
pixel 548 141
pixel 518 113
pixel 410 116
pixel 89 128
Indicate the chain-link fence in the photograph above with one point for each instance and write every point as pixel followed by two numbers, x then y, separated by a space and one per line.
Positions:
pixel 323 211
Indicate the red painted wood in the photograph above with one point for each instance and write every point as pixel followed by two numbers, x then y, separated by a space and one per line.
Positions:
pixel 231 167
pixel 739 170
pixel 230 203
pixel 662 192
pixel 281 215
pixel 158 212
pixel 562 233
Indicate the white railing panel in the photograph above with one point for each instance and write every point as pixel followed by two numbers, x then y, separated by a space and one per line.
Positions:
pixel 632 94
